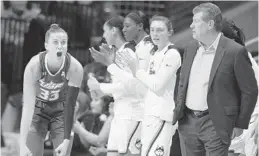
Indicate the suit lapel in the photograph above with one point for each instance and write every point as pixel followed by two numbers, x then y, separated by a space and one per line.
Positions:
pixel 191 52
pixel 217 59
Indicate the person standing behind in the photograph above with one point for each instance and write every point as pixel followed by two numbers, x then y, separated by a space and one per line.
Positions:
pixel 136 28
pixel 160 78
pixel 125 126
pixel 246 143
pixel 217 90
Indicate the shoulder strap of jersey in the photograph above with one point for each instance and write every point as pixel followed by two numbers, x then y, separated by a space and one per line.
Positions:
pixel 179 49
pixel 67 63
pixel 147 39
pixel 42 62
pixel 131 45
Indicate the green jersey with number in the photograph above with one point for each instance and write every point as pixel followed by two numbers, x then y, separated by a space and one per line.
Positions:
pixel 52 87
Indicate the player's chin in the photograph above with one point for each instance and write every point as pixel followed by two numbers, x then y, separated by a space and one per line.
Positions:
pixel 128 38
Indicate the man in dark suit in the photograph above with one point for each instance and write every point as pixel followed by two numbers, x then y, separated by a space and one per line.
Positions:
pixel 217 90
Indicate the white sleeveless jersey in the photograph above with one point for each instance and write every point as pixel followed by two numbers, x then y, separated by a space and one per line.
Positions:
pixel 160 79
pixel 127 104
pixel 143 49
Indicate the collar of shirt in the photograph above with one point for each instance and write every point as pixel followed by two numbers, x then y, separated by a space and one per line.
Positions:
pixel 164 50
pixel 213 46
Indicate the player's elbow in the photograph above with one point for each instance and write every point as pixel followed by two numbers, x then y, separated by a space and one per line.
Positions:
pixel 100 142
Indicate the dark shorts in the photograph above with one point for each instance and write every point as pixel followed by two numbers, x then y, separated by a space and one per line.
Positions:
pixel 46 117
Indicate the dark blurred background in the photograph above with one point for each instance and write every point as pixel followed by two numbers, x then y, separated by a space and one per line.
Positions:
pixel 23 26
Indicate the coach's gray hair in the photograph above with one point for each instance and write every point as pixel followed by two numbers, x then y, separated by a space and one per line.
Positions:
pixel 211 12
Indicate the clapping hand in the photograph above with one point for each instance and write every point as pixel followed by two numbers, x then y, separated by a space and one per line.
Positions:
pixel 106 55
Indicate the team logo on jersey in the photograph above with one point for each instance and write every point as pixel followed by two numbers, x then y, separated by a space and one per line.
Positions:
pixel 63 74
pixel 50 85
pixel 138 144
pixel 151 68
pixel 159 151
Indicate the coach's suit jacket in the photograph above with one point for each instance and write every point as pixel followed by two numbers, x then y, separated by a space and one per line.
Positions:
pixel 232 88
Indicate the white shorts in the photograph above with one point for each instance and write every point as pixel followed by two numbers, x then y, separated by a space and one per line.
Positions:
pixel 124 135
pixel 156 136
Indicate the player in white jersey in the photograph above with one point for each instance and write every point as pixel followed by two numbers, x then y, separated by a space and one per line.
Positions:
pixel 127 108
pixel 157 128
pixel 136 28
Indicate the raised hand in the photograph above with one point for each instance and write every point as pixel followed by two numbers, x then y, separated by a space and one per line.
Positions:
pixel 105 56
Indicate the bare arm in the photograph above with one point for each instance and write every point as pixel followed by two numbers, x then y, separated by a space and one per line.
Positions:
pixel 110 88
pixel 129 82
pixel 169 66
pixel 97 140
pixel 29 97
pixel 120 74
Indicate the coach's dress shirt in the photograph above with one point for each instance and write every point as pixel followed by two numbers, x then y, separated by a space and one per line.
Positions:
pixel 196 98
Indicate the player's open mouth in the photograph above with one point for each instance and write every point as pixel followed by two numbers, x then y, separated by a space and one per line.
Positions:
pixel 59 53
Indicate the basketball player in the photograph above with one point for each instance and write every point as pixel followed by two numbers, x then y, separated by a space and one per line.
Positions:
pixel 51 84
pixel 123 138
pixel 157 128
pixel 136 28
pixel 160 79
